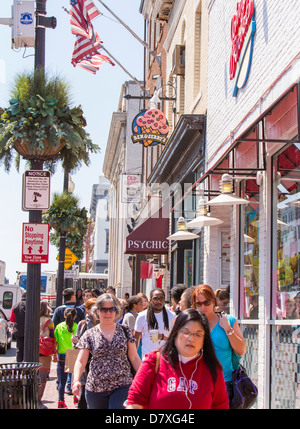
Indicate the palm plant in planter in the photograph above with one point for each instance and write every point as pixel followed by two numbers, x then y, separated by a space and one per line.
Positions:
pixel 66 219
pixel 40 124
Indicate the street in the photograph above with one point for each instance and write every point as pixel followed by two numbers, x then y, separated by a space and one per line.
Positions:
pixel 10 355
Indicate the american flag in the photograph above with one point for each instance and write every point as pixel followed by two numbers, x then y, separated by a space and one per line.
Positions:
pixel 87 45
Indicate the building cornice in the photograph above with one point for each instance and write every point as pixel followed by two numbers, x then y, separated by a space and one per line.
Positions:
pixel 113 147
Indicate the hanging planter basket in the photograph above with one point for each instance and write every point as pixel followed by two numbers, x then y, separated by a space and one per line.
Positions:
pixel 40 125
pixel 47 152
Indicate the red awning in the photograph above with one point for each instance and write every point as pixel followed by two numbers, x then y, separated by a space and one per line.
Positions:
pixel 150 237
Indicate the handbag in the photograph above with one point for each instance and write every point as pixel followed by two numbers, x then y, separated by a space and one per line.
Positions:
pixel 47 344
pixel 71 356
pixel 244 391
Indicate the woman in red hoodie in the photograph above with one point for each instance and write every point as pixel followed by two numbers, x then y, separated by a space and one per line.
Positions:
pixel 188 375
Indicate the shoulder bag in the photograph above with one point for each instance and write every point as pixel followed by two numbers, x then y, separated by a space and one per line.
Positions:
pixel 71 356
pixel 47 344
pixel 244 391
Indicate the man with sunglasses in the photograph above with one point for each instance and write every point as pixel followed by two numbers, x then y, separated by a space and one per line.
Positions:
pixel 155 317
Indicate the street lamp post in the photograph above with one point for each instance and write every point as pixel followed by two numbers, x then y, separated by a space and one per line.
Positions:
pixel 33 284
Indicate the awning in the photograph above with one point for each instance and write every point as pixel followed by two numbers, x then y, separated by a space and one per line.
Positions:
pixel 150 237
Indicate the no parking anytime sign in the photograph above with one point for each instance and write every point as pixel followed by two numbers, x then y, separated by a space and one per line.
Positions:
pixel 35 243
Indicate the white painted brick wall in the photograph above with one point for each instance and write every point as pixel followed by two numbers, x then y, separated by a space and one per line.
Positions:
pixel 276 44
pixel 273 70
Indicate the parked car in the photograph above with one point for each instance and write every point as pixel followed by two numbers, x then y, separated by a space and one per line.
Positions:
pixel 5 333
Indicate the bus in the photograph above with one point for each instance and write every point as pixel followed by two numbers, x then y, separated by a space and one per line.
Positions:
pixel 48 285
pixel 90 281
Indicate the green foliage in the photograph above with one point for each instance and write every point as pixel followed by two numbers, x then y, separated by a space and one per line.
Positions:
pixel 39 114
pixel 67 219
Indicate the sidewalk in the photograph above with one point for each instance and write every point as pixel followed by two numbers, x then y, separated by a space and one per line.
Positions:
pixel 50 397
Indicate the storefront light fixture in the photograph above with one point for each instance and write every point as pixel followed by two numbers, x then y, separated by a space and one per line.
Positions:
pixel 182 233
pixel 226 198
pixel 202 218
pixel 154 101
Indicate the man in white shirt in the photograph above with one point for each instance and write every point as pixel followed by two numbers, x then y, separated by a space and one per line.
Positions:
pixel 157 316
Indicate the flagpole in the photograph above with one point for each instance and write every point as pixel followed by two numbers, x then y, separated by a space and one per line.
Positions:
pixel 123 68
pixel 157 57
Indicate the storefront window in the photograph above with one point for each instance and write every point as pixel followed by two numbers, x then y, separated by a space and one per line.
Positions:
pixel 286 236
pixel 199 261
pixel 249 281
pixel 285 367
pixel 188 268
pixel 250 358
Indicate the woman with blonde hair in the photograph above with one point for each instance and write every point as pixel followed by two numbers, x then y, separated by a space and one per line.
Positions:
pixel 113 349
pixel 224 330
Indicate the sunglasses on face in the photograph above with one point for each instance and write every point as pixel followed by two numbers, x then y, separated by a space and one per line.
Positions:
pixel 205 303
pixel 107 310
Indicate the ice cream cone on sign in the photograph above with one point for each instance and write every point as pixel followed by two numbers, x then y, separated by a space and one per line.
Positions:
pixel 149 131
pixel 152 122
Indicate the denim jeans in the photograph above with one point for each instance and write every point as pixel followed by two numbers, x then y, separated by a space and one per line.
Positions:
pixel 111 400
pixel 61 377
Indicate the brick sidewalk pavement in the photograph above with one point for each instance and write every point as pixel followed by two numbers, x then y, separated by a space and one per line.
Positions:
pixel 50 397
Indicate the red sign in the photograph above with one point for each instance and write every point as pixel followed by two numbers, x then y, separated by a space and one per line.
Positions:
pixel 239 27
pixel 35 243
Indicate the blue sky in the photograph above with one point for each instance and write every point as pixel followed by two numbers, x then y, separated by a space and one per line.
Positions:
pixel 98 94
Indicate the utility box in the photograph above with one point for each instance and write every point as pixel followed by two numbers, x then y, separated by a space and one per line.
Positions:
pixel 23 30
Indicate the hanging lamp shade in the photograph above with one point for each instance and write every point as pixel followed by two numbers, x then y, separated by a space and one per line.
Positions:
pixel 202 219
pixel 226 198
pixel 182 233
pixel 280 224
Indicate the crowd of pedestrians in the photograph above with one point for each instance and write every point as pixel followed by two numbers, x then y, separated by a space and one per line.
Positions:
pixel 139 351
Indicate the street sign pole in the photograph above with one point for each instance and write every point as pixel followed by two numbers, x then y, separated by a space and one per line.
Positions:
pixel 33 288
pixel 33 283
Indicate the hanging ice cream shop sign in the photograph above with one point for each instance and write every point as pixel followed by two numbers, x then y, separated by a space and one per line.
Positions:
pixel 150 127
pixel 242 34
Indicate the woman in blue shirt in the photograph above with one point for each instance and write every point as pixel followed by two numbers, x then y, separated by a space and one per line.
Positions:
pixel 224 330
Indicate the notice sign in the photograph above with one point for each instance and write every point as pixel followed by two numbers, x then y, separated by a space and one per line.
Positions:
pixel 36 190
pixel 35 243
